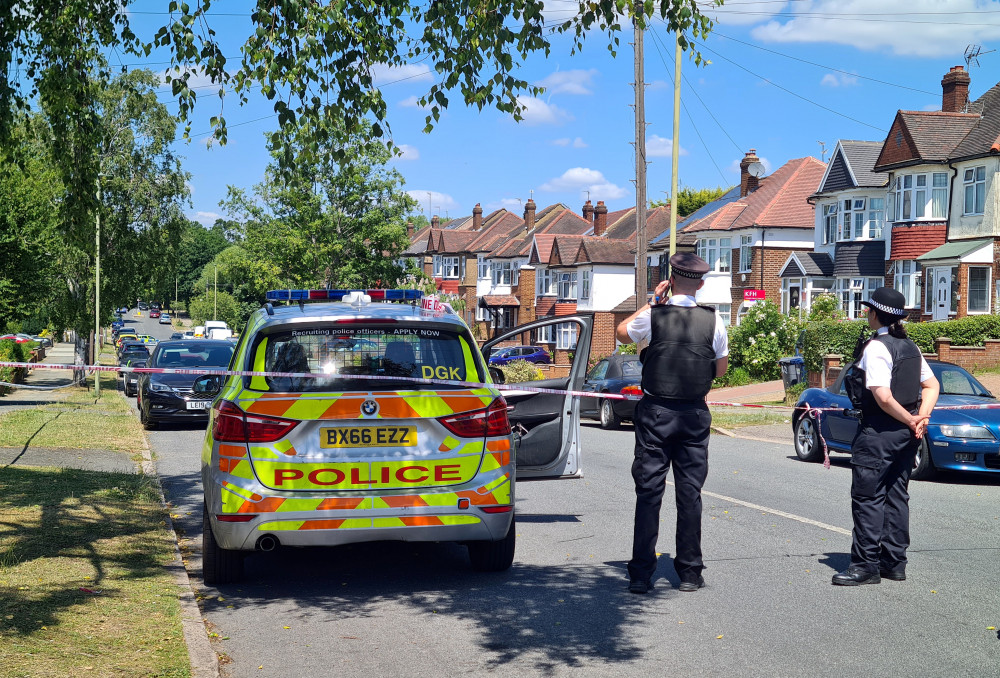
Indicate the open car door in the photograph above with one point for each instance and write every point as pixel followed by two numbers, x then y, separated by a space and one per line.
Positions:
pixel 547 425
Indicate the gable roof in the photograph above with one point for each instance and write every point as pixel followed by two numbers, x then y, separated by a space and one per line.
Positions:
pixel 924 136
pixel 603 251
pixel 418 242
pixel 555 219
pixel 780 201
pixel 985 136
pixel 813 264
pixel 497 228
pixel 852 166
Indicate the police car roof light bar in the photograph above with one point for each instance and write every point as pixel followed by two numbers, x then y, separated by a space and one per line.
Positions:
pixel 338 295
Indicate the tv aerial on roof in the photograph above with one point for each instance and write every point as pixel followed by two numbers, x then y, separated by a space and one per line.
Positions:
pixel 972 54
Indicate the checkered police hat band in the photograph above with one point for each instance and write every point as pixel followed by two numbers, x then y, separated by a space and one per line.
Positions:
pixel 686 274
pixel 886 309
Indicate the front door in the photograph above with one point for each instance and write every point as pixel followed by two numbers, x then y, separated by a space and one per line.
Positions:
pixel 942 293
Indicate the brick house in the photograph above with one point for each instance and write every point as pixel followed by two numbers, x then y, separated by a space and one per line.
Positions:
pixel 850 235
pixel 747 239
pixel 942 201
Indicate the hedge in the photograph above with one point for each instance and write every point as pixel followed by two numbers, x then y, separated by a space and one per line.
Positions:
pixel 10 351
pixel 840 337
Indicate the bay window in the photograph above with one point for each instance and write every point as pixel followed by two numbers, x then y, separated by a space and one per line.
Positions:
pixel 920 196
pixel 717 252
pixel 829 223
pixel 975 190
pixel 852 291
pixel 484 267
pixel 725 312
pixel 979 289
pixel 566 336
pixel 585 284
pixel 567 285
pixel 907 281
pixel 449 267
pixel 503 273
pixel 876 217
pixel 437 265
pixel 546 335
pixel 546 282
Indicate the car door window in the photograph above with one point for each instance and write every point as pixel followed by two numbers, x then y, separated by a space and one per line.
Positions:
pixel 599 371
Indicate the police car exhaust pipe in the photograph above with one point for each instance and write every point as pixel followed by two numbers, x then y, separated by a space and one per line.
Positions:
pixel 267 543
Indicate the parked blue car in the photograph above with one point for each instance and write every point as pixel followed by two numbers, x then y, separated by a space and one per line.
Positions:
pixel 533 354
pixel 956 440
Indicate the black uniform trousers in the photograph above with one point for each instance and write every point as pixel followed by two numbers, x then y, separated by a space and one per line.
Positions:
pixel 669 432
pixel 882 456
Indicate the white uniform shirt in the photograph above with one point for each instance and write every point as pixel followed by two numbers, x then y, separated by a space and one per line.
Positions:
pixel 640 329
pixel 877 363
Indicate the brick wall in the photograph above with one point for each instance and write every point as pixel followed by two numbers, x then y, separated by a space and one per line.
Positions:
pixel 970 357
pixel 603 342
pixel 525 292
pixel 773 260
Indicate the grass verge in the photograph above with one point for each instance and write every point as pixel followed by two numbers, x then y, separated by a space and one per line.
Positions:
pixel 83 585
pixel 738 417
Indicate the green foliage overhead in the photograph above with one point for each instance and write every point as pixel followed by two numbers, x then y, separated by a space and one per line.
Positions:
pixel 225 308
pixel 690 200
pixel 315 61
pixel 198 246
pixel 763 336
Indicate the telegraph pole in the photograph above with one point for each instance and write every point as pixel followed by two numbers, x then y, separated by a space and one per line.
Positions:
pixel 215 305
pixel 640 159
pixel 675 144
pixel 97 294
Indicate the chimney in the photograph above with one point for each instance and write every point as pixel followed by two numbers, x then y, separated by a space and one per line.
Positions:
pixel 435 221
pixel 955 90
pixel 409 229
pixel 600 218
pixel 529 215
pixel 477 218
pixel 588 211
pixel 748 182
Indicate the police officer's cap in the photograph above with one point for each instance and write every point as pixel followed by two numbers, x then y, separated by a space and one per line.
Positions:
pixel 888 301
pixel 688 265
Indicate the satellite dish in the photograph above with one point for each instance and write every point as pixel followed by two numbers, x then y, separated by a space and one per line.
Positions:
pixel 756 169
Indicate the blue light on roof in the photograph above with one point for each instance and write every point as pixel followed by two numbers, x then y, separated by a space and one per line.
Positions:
pixel 337 295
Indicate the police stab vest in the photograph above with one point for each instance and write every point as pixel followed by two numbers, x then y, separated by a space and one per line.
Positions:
pixel 680 361
pixel 904 383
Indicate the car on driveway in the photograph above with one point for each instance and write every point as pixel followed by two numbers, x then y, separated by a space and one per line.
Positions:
pixel 612 375
pixel 358 449
pixel 956 440
pixel 531 354
pixel 168 397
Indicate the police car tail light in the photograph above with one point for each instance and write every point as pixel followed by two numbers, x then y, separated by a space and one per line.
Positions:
pixel 482 423
pixel 233 425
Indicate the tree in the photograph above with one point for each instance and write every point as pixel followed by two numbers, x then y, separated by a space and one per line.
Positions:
pixel 198 246
pixel 209 307
pixel 689 200
pixel 315 61
pixel 330 223
pixel 246 278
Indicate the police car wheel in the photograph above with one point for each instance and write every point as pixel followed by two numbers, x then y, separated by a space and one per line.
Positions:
pixel 494 556
pixel 924 470
pixel 609 419
pixel 807 446
pixel 218 565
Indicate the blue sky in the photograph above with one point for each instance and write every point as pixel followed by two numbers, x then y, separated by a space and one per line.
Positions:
pixel 869 59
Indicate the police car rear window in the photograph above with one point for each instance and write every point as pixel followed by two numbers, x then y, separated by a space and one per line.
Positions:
pixel 342 354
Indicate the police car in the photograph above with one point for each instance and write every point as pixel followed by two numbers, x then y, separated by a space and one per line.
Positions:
pixel 358 449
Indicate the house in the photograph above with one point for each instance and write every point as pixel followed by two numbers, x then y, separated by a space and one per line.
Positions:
pixel 747 239
pixel 942 201
pixel 850 244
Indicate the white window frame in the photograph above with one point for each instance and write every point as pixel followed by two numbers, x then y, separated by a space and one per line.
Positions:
pixel 746 252
pixel 585 284
pixel 567 285
pixel 974 183
pixel 830 226
pixel 566 336
pixel 876 218
pixel 725 312
pixel 907 278
pixel 921 193
pixel 437 266
pixel 852 291
pixel 451 267
pixel 987 291
pixel 546 334
pixel 717 253
pixel 503 272
pixel 545 286
pixel 483 267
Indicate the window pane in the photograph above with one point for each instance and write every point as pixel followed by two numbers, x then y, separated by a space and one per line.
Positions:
pixel 940 180
pixel 919 203
pixel 980 173
pixel 970 174
pixel 980 197
pixel 978 289
pixel 970 199
pixel 921 180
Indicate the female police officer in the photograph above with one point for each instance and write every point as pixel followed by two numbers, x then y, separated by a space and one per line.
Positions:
pixel 895 391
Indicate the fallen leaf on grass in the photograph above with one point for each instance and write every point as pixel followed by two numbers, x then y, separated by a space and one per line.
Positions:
pixel 991 628
pixel 719 637
pixel 286 627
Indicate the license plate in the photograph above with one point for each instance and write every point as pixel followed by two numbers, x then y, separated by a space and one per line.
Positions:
pixel 368 436
pixel 199 404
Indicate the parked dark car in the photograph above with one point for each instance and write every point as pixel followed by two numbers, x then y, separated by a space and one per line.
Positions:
pixel 532 354
pixel 177 335
pixel 123 309
pixel 143 306
pixel 956 440
pixel 611 375
pixel 133 351
pixel 130 380
pixel 165 397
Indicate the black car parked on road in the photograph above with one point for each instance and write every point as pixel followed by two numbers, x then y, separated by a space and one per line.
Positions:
pixel 611 375
pixel 165 397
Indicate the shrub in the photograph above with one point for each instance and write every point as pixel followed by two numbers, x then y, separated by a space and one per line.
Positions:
pixel 627 349
pixel 762 337
pixel 734 376
pixel 826 307
pixel 519 371
pixel 829 336
pixel 793 392
pixel 10 351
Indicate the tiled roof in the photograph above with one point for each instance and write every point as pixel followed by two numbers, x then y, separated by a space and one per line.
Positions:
pixel 861 155
pixel 497 229
pixel 985 136
pixel 501 300
pixel 930 136
pixel 452 242
pixel 954 250
pixel 623 228
pixel 816 264
pixel 602 251
pixel 557 220
pixel 542 251
pixel 865 259
pixel 909 242
pixel 721 219
pixel 418 242
pixel 564 249
pixel 627 306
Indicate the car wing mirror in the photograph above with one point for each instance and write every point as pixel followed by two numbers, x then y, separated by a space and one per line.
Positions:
pixel 207 385
pixel 497 375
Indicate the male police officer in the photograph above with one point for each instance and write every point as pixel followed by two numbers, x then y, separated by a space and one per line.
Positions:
pixel 688 347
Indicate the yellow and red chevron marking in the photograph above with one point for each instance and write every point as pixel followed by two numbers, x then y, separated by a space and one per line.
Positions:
pixel 393 405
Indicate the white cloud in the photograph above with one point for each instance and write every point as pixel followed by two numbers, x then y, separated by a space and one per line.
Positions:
pixel 387 75
pixel 657 85
pixel 838 80
pixel 513 205
pixel 565 141
pixel 576 81
pixel 408 152
pixel 734 166
pixel 924 28
pixel 412 102
pixel 584 179
pixel 206 218
pixel 661 147
pixel 538 112
pixel 745 13
pixel 438 203
pixel 578 142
